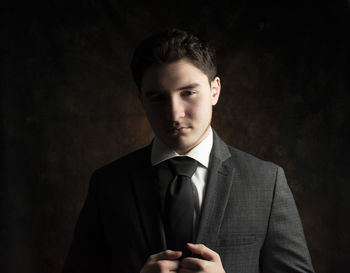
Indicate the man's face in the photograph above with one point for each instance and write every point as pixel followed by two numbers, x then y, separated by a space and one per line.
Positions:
pixel 178 101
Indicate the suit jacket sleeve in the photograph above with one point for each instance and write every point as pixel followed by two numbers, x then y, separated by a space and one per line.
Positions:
pixel 89 249
pixel 285 248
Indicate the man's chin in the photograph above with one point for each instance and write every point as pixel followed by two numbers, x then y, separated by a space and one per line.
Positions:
pixel 182 147
pixel 181 143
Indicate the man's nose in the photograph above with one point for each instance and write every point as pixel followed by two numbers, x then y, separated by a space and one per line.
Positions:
pixel 176 109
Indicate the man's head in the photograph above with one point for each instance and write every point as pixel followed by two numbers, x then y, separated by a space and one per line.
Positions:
pixel 171 45
pixel 178 86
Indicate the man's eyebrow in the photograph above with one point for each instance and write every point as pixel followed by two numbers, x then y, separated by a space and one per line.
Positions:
pixel 158 91
pixel 189 86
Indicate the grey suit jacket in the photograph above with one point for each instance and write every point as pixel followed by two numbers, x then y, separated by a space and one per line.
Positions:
pixel 248 216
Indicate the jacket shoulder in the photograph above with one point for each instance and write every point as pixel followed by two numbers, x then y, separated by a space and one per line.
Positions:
pixel 253 166
pixel 241 155
pixel 127 163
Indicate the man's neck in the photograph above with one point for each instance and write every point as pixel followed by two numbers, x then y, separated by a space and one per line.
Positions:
pixel 201 152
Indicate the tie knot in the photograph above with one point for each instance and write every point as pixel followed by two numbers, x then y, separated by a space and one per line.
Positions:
pixel 183 165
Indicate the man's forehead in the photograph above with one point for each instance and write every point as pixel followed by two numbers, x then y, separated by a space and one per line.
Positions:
pixel 177 76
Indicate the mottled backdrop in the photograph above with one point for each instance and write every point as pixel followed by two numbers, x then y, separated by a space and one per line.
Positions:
pixel 69 105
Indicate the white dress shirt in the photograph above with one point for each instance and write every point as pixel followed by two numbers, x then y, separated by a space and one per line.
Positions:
pixel 201 153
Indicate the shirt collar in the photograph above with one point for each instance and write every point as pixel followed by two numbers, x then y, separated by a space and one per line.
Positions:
pixel 201 153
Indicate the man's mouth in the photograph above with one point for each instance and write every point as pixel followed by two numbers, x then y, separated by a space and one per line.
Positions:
pixel 179 129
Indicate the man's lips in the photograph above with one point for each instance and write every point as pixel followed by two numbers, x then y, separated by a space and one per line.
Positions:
pixel 179 129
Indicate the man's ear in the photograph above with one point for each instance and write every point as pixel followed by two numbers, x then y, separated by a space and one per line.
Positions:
pixel 215 88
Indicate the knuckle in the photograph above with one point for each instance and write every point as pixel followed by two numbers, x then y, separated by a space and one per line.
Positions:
pixel 216 255
pixel 201 245
pixel 152 257
pixel 161 266
pixel 205 267
pixel 167 252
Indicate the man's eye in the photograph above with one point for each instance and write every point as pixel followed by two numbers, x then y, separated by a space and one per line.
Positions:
pixel 188 93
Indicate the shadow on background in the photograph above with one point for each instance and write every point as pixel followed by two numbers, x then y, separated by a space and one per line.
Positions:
pixel 69 106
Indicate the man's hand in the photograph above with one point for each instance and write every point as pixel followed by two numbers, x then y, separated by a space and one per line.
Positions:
pixel 162 262
pixel 210 264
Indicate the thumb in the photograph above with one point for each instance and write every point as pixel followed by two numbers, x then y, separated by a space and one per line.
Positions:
pixel 166 255
pixel 204 251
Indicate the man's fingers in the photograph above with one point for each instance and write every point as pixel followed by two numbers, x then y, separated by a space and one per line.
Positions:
pixel 211 261
pixel 166 265
pixel 204 251
pixel 165 255
pixel 162 262
pixel 193 264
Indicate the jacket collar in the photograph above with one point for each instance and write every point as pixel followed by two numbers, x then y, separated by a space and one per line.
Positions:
pixel 220 179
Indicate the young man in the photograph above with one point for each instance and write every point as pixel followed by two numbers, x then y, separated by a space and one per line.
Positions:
pixel 188 202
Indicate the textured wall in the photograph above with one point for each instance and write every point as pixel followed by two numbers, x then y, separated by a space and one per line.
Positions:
pixel 69 106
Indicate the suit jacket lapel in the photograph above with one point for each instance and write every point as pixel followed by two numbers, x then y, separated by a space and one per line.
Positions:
pixel 148 203
pixel 220 177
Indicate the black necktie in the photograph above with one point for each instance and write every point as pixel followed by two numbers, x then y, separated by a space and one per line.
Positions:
pixel 179 204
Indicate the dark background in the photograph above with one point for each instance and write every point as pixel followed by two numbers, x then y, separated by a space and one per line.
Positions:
pixel 69 106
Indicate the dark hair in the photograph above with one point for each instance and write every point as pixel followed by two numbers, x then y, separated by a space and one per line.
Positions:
pixel 171 45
